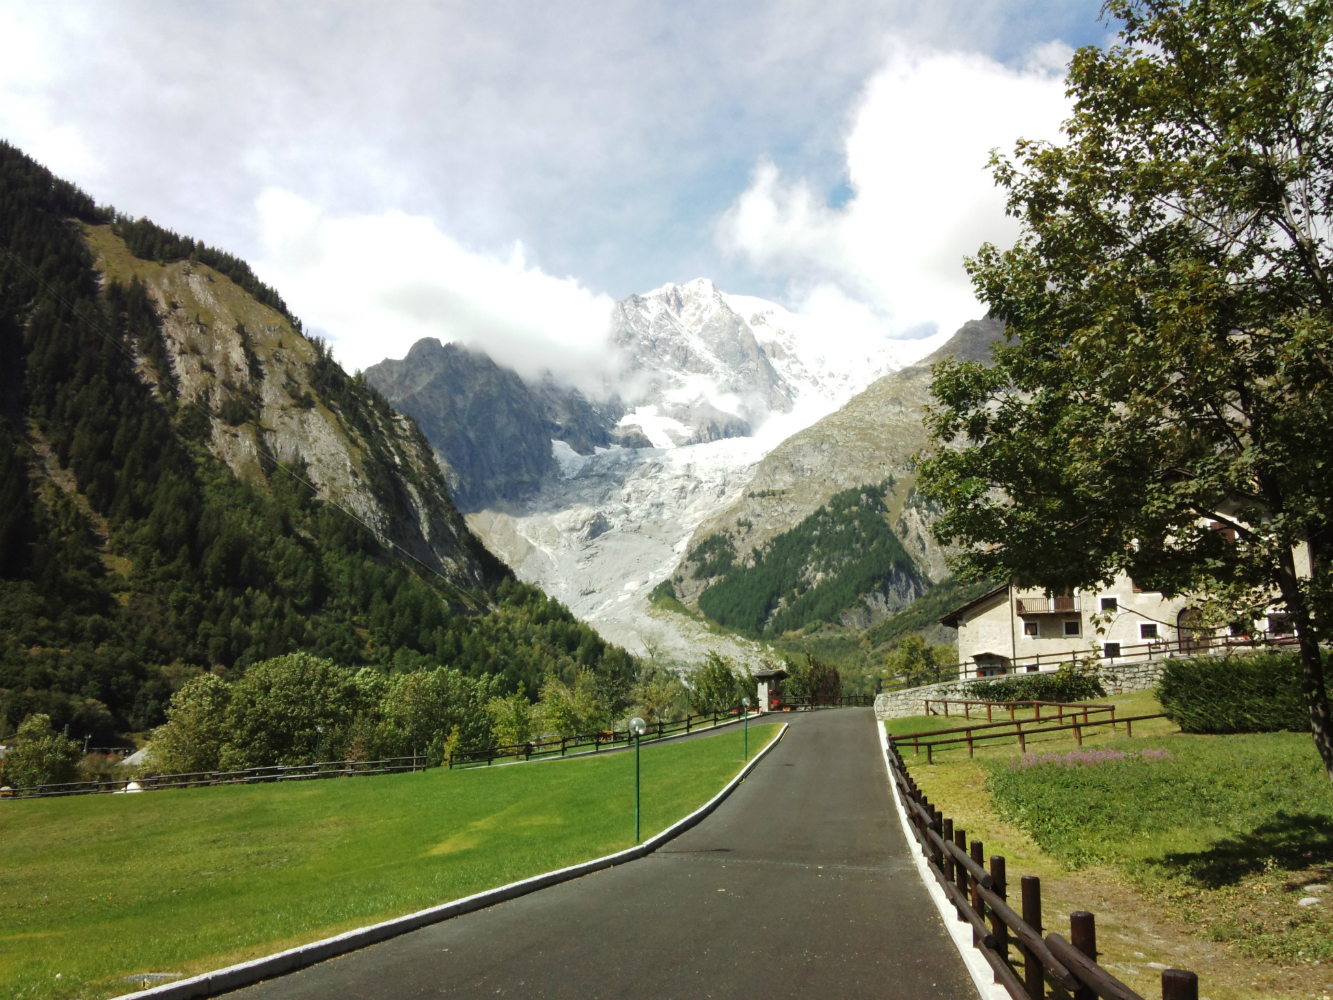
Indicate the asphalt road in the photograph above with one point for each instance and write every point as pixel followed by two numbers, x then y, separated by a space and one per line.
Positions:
pixel 799 885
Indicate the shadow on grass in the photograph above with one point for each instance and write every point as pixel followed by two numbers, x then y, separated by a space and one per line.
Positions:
pixel 1291 843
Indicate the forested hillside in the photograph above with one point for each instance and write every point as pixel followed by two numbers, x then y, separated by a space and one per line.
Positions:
pixel 842 558
pixel 187 483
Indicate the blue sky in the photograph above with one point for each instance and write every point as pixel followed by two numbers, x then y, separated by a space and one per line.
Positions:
pixel 591 149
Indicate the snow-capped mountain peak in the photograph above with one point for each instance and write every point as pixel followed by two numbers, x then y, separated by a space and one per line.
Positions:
pixel 711 364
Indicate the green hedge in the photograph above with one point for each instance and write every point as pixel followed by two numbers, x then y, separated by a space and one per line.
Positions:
pixel 1063 685
pixel 1259 693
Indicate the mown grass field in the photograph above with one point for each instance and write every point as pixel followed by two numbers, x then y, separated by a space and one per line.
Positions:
pixel 1197 859
pixel 96 889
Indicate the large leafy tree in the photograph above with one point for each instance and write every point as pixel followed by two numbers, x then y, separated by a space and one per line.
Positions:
pixel 1169 303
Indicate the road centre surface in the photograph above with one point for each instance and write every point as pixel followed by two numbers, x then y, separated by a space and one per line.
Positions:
pixel 800 885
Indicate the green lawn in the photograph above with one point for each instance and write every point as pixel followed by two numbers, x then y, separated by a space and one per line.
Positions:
pixel 98 888
pixel 1226 834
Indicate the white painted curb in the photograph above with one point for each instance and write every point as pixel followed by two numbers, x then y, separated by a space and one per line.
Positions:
pixel 245 974
pixel 982 975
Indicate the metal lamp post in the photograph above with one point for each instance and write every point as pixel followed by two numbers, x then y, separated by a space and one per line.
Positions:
pixel 638 727
pixel 746 702
pixel 319 735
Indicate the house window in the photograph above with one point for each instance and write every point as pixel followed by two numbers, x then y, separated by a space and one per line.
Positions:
pixel 1110 604
pixel 1033 668
pixel 1030 628
pixel 1147 630
pixel 1073 627
pixel 1110 650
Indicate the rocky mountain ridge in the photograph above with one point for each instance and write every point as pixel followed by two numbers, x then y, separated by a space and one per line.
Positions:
pixel 272 394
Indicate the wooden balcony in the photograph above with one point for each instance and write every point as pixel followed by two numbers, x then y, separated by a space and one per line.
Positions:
pixel 1043 605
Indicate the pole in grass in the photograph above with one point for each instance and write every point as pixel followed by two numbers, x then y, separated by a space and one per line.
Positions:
pixel 746 702
pixel 638 727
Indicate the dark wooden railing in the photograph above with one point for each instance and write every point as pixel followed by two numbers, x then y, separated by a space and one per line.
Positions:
pixel 1060 707
pixel 1021 959
pixel 991 731
pixel 246 776
pixel 560 746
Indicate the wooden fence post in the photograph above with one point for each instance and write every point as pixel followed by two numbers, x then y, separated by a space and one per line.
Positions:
pixel 1032 972
pixel 1177 984
pixel 1083 936
pixel 999 930
pixel 977 904
pixel 960 841
pixel 946 833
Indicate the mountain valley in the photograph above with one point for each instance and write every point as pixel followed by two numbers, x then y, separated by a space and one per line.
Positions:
pixel 722 416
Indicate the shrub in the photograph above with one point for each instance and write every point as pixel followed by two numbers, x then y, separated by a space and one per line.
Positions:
pixel 196 729
pixel 572 710
pixel 1259 693
pixel 718 686
pixel 41 756
pixel 1064 685
pixel 813 679
pixel 279 708
pixel 912 662
pixel 658 695
pixel 512 719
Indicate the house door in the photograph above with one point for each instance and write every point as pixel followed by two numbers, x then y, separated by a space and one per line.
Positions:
pixel 1194 638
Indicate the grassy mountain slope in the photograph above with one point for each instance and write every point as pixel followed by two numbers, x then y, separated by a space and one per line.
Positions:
pixel 842 557
pixel 873 438
pixel 159 425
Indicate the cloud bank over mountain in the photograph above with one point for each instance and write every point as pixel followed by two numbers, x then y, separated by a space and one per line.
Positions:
pixel 891 256
pixel 376 284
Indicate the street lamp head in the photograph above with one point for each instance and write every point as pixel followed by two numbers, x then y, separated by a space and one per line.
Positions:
pixel 746 701
pixel 637 726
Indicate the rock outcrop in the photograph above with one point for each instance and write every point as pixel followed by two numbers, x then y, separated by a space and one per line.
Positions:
pixel 268 395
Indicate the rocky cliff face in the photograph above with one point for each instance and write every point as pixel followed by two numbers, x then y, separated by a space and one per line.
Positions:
pixel 267 394
pixel 485 425
pixel 491 431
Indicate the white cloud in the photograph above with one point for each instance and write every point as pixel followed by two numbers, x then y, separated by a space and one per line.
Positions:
pixel 922 199
pixel 30 73
pixel 376 284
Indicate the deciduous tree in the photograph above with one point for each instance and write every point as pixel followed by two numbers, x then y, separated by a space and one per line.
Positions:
pixel 1169 305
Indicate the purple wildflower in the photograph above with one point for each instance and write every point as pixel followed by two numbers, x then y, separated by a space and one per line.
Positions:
pixel 1089 758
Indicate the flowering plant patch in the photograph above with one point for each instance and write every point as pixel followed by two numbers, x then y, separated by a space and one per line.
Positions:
pixel 1089 758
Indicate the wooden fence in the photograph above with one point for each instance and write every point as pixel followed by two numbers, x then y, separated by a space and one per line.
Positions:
pixel 561 746
pixel 1021 959
pixel 990 731
pixel 246 776
pixel 1060 707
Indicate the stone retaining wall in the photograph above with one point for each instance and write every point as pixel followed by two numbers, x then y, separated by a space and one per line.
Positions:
pixel 1116 678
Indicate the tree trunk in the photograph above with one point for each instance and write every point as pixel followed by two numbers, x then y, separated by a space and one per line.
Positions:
pixel 1312 674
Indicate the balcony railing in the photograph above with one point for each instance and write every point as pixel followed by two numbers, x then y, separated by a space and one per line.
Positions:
pixel 1048 605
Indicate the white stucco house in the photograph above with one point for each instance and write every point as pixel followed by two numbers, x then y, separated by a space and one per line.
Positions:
pixel 1009 630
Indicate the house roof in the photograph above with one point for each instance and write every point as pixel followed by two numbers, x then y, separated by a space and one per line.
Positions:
pixel 769 674
pixel 951 619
